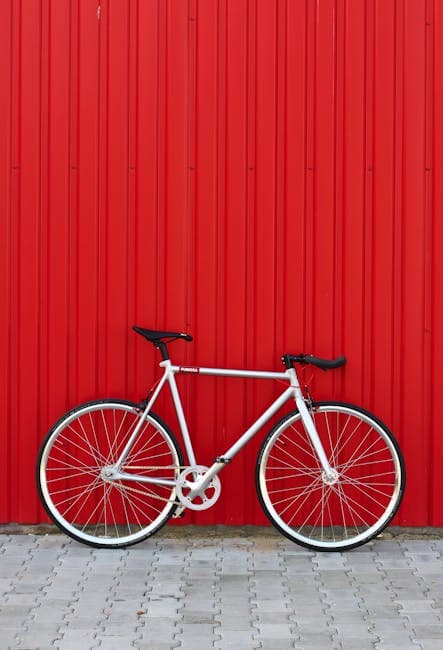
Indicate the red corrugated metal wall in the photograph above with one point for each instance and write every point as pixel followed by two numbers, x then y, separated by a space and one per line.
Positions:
pixel 263 174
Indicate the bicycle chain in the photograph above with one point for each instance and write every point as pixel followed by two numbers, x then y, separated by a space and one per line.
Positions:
pixel 153 496
pixel 156 496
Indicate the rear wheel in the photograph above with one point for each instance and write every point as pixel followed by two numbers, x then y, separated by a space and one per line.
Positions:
pixel 331 514
pixel 72 481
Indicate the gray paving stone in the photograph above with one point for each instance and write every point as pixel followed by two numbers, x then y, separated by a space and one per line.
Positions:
pixel 396 643
pixel 423 555
pixel 196 644
pixel 263 618
pixel 274 630
pixel 277 644
pixel 227 644
pixel 374 612
pixel 196 630
pixel 330 561
pixel 385 624
pixel 338 596
pixel 20 600
pixel 116 642
pixel 422 545
pixel 234 622
pixel 163 607
pixel 356 643
pixel 431 631
pixel 75 639
pixel 41 616
pixel 156 631
pixel 410 591
pixel 416 605
pixel 10 570
pixel 156 645
pixel 403 638
pixel 200 618
pixel 9 637
pixel 271 605
pixel 231 637
pixel 39 638
pixel 265 564
pixel 235 605
pixel 23 645
pixel 388 546
pixel 345 617
pixel 429 644
pixel 275 592
pixel 82 622
pixel 423 619
pixel 429 568
pixel 356 629
pixel 13 615
pixel 316 639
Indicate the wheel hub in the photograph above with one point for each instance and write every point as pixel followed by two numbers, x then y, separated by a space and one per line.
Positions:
pixel 330 479
pixel 108 473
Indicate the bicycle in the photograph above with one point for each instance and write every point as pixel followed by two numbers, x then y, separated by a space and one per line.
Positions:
pixel 329 475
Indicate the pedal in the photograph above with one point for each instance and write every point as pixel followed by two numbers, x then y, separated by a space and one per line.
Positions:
pixel 179 513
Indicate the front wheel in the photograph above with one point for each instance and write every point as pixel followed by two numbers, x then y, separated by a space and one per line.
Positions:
pixel 73 468
pixel 331 514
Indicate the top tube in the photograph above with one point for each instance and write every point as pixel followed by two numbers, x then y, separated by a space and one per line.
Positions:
pixel 229 372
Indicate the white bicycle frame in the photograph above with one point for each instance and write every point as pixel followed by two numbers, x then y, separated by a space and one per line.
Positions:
pixel 293 391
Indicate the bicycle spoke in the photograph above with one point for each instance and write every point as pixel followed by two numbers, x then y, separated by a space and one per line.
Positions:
pixel 78 471
pixel 301 467
pixel 308 451
pixel 94 449
pixel 372 455
pixel 364 488
pixel 125 491
pixel 87 491
pixel 342 501
pixel 71 443
pixel 306 494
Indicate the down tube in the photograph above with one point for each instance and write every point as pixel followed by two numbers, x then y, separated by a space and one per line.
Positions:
pixel 246 437
pixel 243 440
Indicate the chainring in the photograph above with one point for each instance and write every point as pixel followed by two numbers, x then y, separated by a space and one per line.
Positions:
pixel 187 488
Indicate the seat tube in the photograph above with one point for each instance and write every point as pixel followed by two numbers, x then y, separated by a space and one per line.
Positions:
pixel 180 413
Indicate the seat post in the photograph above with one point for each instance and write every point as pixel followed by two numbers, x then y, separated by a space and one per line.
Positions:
pixel 161 345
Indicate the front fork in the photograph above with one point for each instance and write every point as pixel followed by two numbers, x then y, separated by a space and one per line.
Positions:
pixel 329 474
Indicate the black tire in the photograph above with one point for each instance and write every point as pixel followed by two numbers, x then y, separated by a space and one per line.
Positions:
pixel 72 487
pixel 364 495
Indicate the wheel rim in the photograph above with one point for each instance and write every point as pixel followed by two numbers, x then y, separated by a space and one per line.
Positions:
pixel 346 509
pixel 72 478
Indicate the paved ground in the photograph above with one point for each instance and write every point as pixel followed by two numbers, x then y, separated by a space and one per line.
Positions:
pixel 219 590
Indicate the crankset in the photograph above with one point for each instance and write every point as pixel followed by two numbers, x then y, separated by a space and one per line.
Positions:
pixel 190 491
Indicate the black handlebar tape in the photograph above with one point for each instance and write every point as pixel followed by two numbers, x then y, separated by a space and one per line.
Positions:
pixel 324 364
